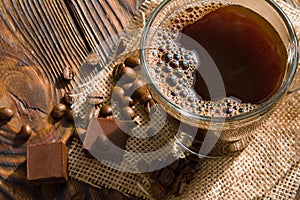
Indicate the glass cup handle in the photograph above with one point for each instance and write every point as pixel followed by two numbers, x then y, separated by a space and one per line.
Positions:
pixel 296 82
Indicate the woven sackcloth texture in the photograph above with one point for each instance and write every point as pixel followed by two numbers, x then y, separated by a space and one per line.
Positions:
pixel 268 168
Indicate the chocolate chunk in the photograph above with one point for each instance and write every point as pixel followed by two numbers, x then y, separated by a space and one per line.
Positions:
pixel 106 138
pixel 6 114
pixel 68 73
pixel 127 113
pixel 47 163
pixel 132 61
pixel 25 132
pixel 106 110
pixel 114 195
pixel 158 191
pixel 95 98
pixel 166 177
pixel 59 111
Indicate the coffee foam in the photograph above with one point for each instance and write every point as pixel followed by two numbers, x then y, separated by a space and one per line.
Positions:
pixel 165 59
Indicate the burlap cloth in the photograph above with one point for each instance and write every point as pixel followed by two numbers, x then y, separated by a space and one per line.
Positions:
pixel 269 167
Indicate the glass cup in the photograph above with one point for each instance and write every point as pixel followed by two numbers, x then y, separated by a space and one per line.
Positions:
pixel 220 135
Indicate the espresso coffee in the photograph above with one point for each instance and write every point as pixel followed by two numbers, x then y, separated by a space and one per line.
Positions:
pixel 248 53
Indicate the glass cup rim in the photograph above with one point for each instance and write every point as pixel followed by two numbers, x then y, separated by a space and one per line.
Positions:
pixel 264 107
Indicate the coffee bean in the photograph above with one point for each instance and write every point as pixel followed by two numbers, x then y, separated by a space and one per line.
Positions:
pixel 182 186
pixel 118 71
pixel 187 170
pixel 127 113
pixel 106 110
pixel 139 92
pixel 68 73
pixel 158 191
pixel 59 111
pixel 150 107
pixel 166 177
pixel 132 61
pixel 6 114
pixel 145 98
pixel 126 101
pixel 69 115
pixel 118 92
pixel 95 98
pixel 127 87
pixel 25 131
pixel 176 183
pixel 143 166
pixel 129 75
pixel 67 98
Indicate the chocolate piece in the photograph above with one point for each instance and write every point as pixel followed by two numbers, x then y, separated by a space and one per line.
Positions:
pixel 158 191
pixel 68 73
pixel 59 111
pixel 132 61
pixel 6 114
pixel 95 98
pixel 25 132
pixel 106 138
pixel 47 163
pixel 127 113
pixel 106 110
pixel 166 177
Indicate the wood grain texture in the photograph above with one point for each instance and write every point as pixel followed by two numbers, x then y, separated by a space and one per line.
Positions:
pixel 37 40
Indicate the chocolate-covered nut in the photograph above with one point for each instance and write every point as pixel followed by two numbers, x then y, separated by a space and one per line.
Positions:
pixel 158 191
pixel 129 75
pixel 132 61
pixel 126 101
pixel 68 73
pixel 166 177
pixel 118 71
pixel 69 115
pixel 95 98
pixel 67 98
pixel 127 113
pixel 106 110
pixel 118 92
pixel 6 114
pixel 145 98
pixel 59 111
pixel 25 131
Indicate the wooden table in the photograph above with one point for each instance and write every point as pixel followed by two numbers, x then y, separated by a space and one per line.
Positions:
pixel 38 39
